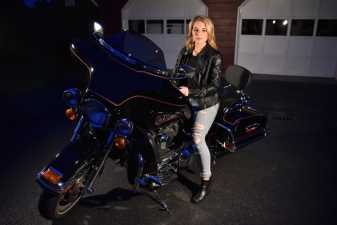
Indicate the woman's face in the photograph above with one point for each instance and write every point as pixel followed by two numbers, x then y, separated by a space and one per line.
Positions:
pixel 199 33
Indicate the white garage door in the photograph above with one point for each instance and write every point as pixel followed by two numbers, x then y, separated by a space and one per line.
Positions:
pixel 164 22
pixel 288 37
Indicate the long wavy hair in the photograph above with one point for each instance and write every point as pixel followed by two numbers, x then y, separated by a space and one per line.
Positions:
pixel 209 28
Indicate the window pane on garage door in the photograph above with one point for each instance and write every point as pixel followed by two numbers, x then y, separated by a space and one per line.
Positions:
pixel 155 26
pixel 137 26
pixel 175 27
pixel 302 27
pixel 251 27
pixel 277 27
pixel 327 28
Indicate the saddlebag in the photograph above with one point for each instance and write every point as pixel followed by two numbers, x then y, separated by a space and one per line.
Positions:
pixel 237 128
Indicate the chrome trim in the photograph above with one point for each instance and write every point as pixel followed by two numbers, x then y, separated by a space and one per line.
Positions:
pixel 229 131
pixel 77 128
pixel 89 186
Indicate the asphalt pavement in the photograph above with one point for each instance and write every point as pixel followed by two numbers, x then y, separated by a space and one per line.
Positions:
pixel 287 178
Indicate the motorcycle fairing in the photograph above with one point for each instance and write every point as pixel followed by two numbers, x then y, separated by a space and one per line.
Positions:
pixel 119 77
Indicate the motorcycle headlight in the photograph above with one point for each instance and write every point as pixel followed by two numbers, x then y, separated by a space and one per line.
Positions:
pixel 95 112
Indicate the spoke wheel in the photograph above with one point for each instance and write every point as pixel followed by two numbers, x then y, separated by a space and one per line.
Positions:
pixel 52 206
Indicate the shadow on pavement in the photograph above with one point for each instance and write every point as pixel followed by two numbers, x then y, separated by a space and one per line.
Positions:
pixel 107 200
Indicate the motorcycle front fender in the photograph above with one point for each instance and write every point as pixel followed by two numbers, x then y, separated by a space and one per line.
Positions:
pixel 56 174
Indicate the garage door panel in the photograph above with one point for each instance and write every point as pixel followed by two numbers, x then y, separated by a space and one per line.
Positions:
pixel 170 8
pixel 249 61
pixel 251 44
pixel 279 8
pixel 300 46
pixel 275 46
pixel 272 64
pixel 304 8
pixel 156 38
pixel 328 9
pixel 255 9
pixel 137 10
pixel 297 65
pixel 174 44
pixel 323 66
pixel 325 47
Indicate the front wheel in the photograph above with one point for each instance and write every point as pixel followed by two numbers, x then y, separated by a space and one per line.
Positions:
pixel 53 206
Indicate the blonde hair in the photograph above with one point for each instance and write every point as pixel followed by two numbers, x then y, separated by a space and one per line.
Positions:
pixel 209 28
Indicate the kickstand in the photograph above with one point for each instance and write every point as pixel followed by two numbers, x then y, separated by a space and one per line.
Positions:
pixel 156 197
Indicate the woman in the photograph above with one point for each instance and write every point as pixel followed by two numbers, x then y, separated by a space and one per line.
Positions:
pixel 201 88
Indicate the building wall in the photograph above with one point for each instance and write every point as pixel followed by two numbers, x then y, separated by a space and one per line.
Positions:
pixel 224 15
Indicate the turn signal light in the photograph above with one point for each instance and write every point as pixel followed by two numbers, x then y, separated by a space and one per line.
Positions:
pixel 71 114
pixel 51 176
pixel 120 143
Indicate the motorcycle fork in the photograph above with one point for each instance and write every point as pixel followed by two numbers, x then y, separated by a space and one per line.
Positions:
pixel 99 169
pixel 78 127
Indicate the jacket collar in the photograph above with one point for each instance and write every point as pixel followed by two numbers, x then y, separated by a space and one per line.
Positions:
pixel 203 51
pixel 205 48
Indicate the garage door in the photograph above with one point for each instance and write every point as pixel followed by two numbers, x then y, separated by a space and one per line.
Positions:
pixel 288 37
pixel 164 22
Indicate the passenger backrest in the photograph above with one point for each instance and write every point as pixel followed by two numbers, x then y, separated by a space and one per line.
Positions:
pixel 238 76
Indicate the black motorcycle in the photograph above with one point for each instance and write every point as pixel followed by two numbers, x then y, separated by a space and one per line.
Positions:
pixel 132 112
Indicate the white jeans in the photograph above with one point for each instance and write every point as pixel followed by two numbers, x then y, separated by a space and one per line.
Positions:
pixel 202 123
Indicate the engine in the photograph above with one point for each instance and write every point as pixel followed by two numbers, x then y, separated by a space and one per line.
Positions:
pixel 158 154
pixel 168 143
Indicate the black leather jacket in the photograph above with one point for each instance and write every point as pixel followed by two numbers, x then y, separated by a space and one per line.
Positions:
pixel 204 83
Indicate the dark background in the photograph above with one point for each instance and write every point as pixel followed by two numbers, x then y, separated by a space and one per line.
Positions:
pixel 36 66
pixel 34 43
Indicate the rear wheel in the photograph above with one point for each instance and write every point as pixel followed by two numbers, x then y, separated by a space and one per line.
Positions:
pixel 53 206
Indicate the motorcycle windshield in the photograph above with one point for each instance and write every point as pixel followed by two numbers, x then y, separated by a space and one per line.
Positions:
pixel 138 47
pixel 126 66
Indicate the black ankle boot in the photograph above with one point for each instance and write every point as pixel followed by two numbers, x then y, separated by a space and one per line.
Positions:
pixel 203 191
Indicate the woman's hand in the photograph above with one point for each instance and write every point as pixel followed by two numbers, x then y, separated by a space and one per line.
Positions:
pixel 184 90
